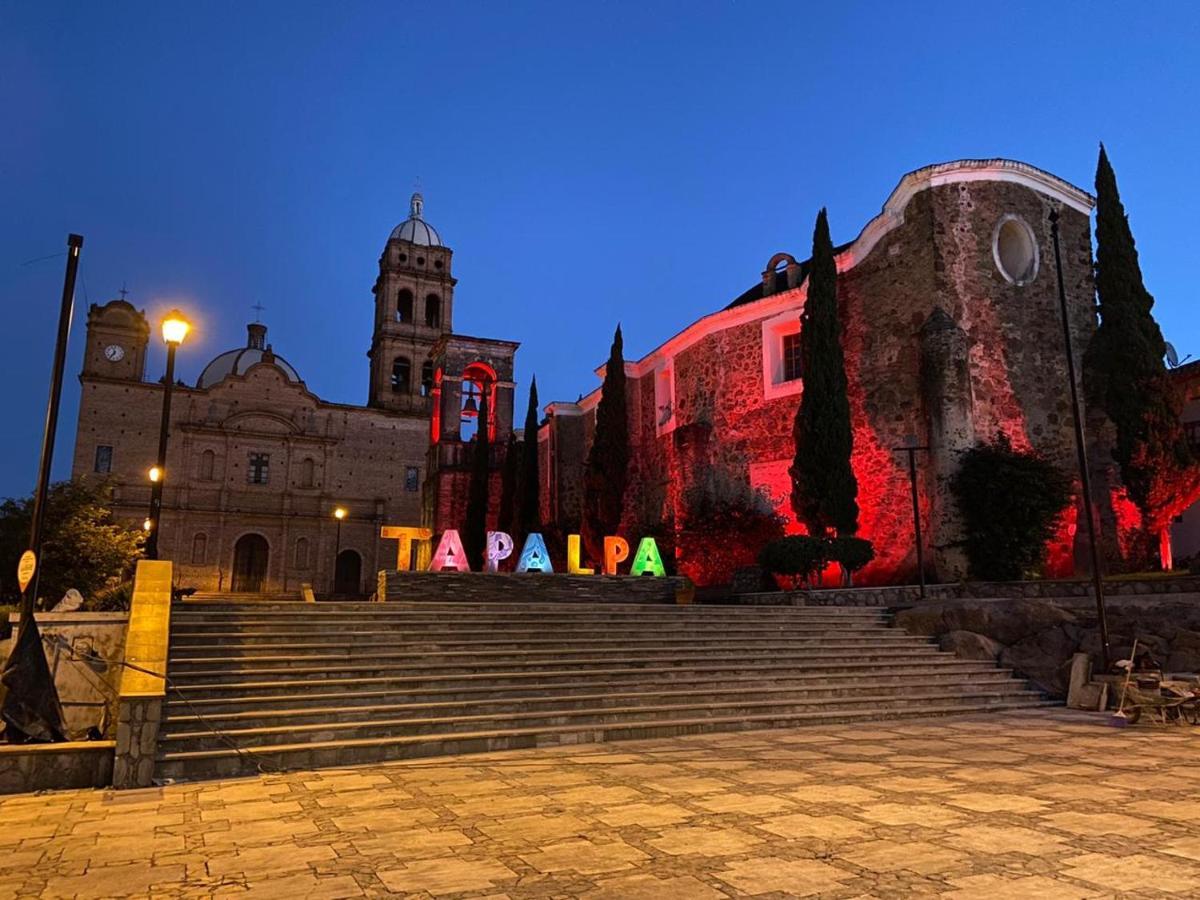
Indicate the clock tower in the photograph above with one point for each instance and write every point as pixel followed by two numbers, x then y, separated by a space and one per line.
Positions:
pixel 117 338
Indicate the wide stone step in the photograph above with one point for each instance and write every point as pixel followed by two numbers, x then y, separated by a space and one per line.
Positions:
pixel 302 694
pixel 323 633
pixel 514 608
pixel 229 762
pixel 190 668
pixel 420 647
pixel 710 696
pixel 502 674
pixel 204 738
pixel 510 623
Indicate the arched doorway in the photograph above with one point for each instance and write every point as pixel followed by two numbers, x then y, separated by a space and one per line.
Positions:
pixel 250 555
pixel 347 574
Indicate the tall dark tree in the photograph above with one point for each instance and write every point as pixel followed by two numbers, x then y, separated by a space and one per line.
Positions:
pixel 530 509
pixel 607 471
pixel 1126 374
pixel 824 489
pixel 474 536
pixel 506 519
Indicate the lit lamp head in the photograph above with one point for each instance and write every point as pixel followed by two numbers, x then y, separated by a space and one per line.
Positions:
pixel 155 474
pixel 339 513
pixel 147 525
pixel 175 327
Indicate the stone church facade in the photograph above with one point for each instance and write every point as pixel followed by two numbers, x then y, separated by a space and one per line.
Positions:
pixel 952 336
pixel 257 463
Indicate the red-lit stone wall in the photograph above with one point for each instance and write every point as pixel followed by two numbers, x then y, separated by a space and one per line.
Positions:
pixel 990 362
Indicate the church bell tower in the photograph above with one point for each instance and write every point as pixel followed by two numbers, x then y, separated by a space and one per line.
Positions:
pixel 414 305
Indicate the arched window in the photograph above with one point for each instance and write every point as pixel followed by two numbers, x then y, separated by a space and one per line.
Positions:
pixel 401 375
pixel 302 553
pixel 306 473
pixel 208 461
pixel 427 378
pixel 404 305
pixel 199 548
pixel 433 311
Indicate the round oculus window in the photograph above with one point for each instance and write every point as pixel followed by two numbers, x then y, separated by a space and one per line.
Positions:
pixel 1015 250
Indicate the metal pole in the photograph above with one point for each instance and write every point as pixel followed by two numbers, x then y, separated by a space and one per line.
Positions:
pixel 74 245
pixel 1080 449
pixel 156 488
pixel 916 507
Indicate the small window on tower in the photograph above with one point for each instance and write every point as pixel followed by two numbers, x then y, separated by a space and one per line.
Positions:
pixel 433 311
pixel 427 378
pixel 260 468
pixel 401 375
pixel 793 360
pixel 412 476
pixel 404 306
pixel 103 459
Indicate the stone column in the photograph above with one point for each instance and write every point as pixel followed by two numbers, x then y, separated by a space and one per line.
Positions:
pixel 947 398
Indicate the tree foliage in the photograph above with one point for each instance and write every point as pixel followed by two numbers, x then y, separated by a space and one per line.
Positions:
pixel 824 489
pixel 724 523
pixel 475 528
pixel 529 509
pixel 606 473
pixel 83 546
pixel 1126 374
pixel 1010 501
pixel 510 474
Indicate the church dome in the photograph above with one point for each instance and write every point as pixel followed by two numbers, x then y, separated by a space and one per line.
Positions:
pixel 415 229
pixel 237 362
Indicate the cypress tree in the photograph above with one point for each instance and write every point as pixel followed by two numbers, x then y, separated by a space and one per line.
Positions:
pixel 506 520
pixel 607 470
pixel 1126 374
pixel 824 489
pixel 529 507
pixel 474 535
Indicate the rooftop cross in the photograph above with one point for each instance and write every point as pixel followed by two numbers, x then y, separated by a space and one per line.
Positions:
pixel 258 308
pixel 122 291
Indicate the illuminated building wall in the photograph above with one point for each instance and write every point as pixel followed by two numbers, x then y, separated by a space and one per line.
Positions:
pixel 952 336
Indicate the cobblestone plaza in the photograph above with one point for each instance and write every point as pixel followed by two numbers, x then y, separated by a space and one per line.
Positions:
pixel 1035 804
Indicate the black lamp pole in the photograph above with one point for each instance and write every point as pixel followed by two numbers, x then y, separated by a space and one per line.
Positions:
pixel 1080 449
pixel 156 487
pixel 911 450
pixel 74 246
pixel 338 514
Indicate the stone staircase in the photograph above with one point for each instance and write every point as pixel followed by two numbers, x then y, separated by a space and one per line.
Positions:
pixel 277 685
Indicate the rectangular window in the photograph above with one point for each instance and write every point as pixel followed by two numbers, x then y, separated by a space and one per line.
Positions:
pixel 103 459
pixel 793 362
pixel 412 478
pixel 1193 434
pixel 259 469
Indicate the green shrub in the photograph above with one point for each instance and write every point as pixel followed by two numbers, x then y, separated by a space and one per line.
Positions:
pixel 1010 501
pixel 797 556
pixel 851 553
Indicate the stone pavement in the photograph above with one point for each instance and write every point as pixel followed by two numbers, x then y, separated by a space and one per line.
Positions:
pixel 1046 804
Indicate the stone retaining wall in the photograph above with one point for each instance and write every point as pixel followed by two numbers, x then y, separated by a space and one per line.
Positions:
pixel 41 767
pixel 907 595
pixel 476 587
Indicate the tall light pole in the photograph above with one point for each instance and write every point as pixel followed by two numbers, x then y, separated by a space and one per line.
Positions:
pixel 174 329
pixel 1085 481
pixel 911 449
pixel 339 513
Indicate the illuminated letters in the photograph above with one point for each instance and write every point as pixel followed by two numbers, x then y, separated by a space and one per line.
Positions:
pixel 499 546
pixel 405 536
pixel 449 553
pixel 534 557
pixel 616 549
pixel 573 566
pixel 647 559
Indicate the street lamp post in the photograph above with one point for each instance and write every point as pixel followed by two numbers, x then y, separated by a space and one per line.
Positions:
pixel 339 513
pixel 174 329
pixel 1085 482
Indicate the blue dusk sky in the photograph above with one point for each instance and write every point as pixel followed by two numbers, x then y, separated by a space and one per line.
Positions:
pixel 588 163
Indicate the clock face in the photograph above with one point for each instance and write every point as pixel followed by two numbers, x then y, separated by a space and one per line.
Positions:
pixel 114 352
